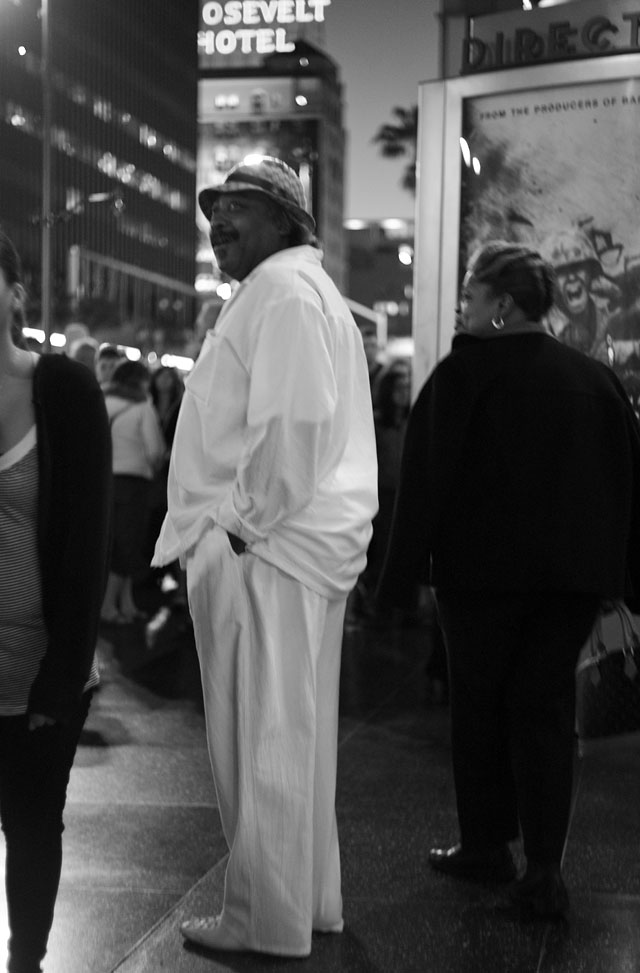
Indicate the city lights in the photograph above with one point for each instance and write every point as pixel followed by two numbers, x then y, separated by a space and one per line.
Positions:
pixel 405 254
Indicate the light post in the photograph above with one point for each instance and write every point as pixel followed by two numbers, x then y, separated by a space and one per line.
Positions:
pixel 45 212
pixel 45 204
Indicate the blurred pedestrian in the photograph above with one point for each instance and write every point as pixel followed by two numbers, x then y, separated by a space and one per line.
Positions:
pixel 76 331
pixel 108 358
pixel 166 391
pixel 272 489
pixel 85 350
pixel 369 333
pixel 520 501
pixel 55 501
pixel 138 451
pixel 391 412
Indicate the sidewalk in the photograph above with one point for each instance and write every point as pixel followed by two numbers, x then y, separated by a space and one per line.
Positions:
pixel 143 847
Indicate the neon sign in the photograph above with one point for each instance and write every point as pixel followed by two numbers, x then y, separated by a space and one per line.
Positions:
pixel 255 26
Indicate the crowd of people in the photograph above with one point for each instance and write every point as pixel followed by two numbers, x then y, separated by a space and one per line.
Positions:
pixel 142 408
pixel 288 470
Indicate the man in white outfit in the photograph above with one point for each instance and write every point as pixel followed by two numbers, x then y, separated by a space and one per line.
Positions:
pixel 272 490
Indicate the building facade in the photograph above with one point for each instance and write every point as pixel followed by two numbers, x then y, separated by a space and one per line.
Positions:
pixel 380 275
pixel 120 83
pixel 287 105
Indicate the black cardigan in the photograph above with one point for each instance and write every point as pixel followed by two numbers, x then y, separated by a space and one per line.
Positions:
pixel 74 509
pixel 520 472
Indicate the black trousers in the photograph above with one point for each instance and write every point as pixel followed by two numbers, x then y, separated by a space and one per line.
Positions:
pixel 512 660
pixel 34 773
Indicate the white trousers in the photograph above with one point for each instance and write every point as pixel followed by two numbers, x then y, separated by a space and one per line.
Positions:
pixel 269 651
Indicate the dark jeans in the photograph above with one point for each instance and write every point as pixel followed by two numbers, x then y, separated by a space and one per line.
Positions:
pixel 130 517
pixel 34 773
pixel 512 660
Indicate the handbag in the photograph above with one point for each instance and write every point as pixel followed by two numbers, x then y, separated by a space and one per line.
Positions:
pixel 608 681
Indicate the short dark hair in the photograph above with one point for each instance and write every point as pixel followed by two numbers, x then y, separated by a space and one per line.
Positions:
pixel 509 268
pixel 131 374
pixel 108 351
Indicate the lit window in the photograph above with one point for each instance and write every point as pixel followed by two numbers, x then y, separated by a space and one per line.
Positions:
pixel 405 254
pixel 205 284
pixel 102 109
pixel 126 172
pixel 226 101
pixel 258 102
pixel 78 94
pixel 74 200
pixel 108 164
pixel 148 137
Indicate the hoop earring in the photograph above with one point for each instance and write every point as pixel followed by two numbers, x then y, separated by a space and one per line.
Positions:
pixel 498 323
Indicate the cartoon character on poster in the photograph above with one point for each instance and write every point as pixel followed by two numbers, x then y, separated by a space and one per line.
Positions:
pixel 583 296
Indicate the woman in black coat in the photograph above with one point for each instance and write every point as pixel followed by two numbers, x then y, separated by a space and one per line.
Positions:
pixel 519 502
pixel 55 499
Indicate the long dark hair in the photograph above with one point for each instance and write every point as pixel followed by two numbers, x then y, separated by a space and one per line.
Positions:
pixel 12 269
pixel 387 412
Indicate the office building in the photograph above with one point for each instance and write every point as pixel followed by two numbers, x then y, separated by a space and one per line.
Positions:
pixel 117 94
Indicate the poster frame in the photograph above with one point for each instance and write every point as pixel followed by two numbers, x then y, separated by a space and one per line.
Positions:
pixel 439 181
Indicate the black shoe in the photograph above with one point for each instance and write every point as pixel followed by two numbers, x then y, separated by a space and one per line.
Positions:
pixel 486 865
pixel 541 892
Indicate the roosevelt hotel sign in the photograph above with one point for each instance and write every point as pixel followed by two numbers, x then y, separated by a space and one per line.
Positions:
pixel 242 30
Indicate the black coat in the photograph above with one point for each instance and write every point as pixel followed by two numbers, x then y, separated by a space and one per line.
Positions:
pixel 74 510
pixel 520 472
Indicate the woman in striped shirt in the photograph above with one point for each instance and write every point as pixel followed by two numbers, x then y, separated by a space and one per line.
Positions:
pixel 54 527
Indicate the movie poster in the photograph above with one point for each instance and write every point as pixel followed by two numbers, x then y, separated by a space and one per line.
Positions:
pixel 559 169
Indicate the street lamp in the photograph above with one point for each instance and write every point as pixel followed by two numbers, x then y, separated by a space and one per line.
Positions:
pixel 45 206
pixel 45 212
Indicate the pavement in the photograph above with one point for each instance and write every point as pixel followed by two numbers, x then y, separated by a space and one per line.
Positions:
pixel 144 849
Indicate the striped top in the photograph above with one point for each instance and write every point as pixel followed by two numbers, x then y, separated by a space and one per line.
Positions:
pixel 23 635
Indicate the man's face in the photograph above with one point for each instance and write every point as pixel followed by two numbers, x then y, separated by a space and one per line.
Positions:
pixel 244 232
pixel 573 284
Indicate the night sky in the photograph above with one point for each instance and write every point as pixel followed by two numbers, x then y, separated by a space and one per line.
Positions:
pixel 384 48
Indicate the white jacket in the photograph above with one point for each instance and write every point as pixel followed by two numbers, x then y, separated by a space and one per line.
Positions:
pixel 275 439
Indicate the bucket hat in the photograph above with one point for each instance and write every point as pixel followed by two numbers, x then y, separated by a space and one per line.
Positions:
pixel 267 175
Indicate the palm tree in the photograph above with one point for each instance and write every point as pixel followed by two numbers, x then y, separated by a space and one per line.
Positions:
pixel 401 139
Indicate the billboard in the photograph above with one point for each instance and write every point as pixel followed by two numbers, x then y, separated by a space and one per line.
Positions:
pixel 550 159
pixel 559 168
